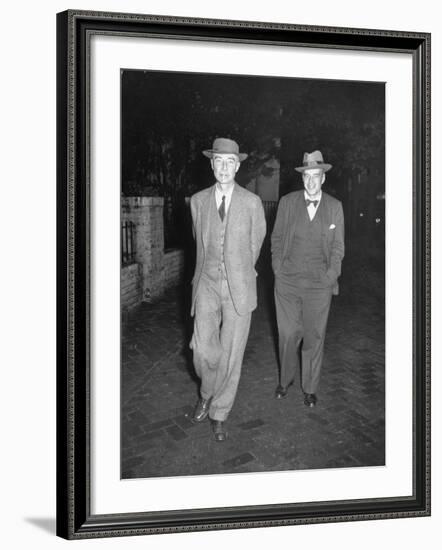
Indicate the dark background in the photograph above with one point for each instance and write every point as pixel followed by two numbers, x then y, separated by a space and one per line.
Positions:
pixel 169 118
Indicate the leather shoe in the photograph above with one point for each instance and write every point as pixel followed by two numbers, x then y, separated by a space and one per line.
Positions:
pixel 219 430
pixel 281 391
pixel 310 399
pixel 201 411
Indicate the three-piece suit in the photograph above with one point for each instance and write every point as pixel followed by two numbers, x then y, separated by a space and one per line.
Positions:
pixel 224 291
pixel 306 260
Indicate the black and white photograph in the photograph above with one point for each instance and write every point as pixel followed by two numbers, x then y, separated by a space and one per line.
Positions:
pixel 221 260
pixel 243 274
pixel 252 287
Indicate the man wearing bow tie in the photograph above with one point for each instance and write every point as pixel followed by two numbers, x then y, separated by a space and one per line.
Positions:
pixel 307 252
pixel 229 227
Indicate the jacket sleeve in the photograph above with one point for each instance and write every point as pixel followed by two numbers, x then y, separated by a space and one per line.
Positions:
pixel 194 212
pixel 337 247
pixel 259 227
pixel 278 235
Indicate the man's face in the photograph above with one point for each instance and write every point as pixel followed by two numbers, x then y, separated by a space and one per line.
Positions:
pixel 225 166
pixel 313 180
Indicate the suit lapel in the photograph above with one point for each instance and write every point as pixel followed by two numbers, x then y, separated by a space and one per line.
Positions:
pixel 299 212
pixel 233 214
pixel 206 209
pixel 294 213
pixel 322 213
pixel 324 220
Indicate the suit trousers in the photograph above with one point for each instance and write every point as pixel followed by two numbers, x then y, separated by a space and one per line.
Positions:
pixel 218 343
pixel 301 314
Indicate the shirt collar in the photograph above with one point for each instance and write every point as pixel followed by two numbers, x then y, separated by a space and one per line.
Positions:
pixel 227 193
pixel 318 198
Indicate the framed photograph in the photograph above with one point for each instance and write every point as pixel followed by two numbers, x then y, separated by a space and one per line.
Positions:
pixel 243 274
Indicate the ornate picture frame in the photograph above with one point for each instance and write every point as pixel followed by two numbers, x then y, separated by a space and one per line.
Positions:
pixel 76 518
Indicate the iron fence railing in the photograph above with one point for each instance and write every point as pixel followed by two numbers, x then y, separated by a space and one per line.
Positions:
pixel 127 243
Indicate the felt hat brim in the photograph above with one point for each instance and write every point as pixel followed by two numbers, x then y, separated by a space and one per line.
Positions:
pixel 314 166
pixel 209 153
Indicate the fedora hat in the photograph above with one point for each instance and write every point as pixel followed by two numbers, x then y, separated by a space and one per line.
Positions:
pixel 224 146
pixel 313 160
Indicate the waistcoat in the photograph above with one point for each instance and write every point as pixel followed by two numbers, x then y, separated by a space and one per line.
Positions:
pixel 214 267
pixel 306 256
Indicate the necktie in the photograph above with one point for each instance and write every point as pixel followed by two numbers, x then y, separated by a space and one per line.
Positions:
pixel 308 202
pixel 222 208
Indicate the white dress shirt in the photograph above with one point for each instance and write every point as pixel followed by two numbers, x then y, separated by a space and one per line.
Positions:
pixel 311 208
pixel 219 193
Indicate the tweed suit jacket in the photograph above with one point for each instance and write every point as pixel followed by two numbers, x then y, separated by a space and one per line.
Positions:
pixel 245 232
pixel 331 216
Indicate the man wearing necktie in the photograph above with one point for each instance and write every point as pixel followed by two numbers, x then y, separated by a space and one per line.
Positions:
pixel 229 228
pixel 307 252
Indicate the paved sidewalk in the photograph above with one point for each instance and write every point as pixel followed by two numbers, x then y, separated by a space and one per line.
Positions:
pixel 159 391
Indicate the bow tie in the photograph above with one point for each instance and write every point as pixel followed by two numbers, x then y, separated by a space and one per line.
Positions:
pixel 308 202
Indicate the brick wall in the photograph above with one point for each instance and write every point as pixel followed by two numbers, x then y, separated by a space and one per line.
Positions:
pixel 131 291
pixel 158 270
pixel 147 215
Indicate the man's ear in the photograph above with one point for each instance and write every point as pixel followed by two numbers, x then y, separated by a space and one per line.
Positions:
pixel 238 164
pixel 211 163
